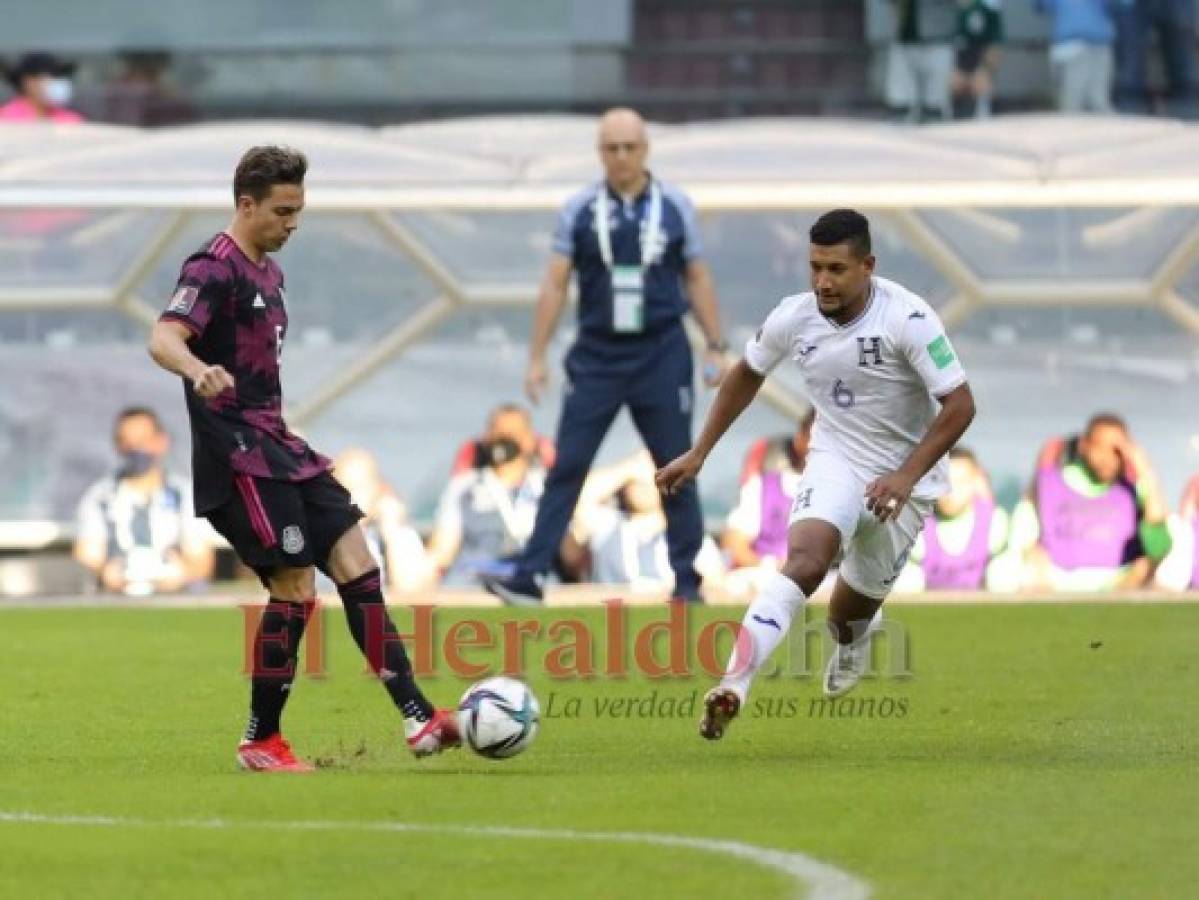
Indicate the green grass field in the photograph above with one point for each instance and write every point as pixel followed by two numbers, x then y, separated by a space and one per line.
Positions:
pixel 1043 751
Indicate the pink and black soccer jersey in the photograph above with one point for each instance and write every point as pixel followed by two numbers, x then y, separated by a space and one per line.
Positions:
pixel 237 314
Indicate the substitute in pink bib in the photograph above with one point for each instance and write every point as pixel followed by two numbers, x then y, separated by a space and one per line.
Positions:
pixel 43 86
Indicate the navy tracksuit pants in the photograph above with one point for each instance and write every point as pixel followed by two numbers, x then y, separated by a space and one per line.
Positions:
pixel 653 375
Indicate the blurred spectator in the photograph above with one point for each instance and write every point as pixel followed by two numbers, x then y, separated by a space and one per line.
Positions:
pixel 486 513
pixel 1173 24
pixel 920 60
pixel 142 93
pixel 473 453
pixel 976 46
pixel 136 531
pixel 1095 517
pixel 1179 571
pixel 396 545
pixel 1082 35
pixel 43 87
pixel 962 540
pixel 618 533
pixel 755 535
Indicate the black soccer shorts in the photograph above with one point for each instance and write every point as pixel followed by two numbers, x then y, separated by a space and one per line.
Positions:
pixel 273 525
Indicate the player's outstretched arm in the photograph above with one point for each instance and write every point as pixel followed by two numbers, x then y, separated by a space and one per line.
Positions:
pixel 736 392
pixel 168 347
pixel 886 496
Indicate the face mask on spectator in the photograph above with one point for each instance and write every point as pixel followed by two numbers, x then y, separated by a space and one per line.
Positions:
pixel 59 91
pixel 136 463
pixel 500 451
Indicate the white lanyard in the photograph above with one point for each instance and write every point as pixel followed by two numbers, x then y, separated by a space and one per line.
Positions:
pixel 125 507
pixel 504 504
pixel 649 237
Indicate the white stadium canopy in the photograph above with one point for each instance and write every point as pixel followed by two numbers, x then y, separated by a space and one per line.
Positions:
pixel 1054 248
pixel 531 162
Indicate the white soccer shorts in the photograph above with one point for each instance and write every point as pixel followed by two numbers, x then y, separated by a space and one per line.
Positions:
pixel 874 552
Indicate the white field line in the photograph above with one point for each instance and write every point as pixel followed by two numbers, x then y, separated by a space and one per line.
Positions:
pixel 812 879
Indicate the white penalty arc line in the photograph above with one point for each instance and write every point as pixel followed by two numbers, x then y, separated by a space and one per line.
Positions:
pixel 813 879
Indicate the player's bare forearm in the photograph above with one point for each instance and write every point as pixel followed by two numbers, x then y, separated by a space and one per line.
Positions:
pixel 886 495
pixel 702 292
pixel 168 347
pixel 957 412
pixel 737 392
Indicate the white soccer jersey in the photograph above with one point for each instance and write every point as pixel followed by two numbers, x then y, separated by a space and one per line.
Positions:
pixel 872 381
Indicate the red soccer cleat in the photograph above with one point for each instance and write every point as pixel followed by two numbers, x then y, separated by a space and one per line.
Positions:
pixel 439 733
pixel 271 754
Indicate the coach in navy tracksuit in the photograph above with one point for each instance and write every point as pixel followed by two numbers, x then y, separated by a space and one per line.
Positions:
pixel 635 245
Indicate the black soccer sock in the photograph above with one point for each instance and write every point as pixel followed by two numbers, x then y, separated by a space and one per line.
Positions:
pixel 276 648
pixel 379 642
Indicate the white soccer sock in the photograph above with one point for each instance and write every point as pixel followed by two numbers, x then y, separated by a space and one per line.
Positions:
pixel 765 624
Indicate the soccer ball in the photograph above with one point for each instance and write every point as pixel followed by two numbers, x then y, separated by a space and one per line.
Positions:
pixel 498 717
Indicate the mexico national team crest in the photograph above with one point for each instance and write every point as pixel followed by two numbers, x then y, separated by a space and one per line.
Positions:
pixel 293 539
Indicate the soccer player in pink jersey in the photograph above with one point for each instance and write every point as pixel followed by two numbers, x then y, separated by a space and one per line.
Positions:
pixel 261 486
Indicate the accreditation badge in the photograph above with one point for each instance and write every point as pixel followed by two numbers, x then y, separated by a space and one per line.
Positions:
pixel 628 300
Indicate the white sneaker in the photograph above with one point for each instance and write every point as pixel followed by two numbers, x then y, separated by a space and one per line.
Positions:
pixel 846 667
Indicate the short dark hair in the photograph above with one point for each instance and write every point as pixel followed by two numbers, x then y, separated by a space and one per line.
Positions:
pixel 843 226
pixel 134 412
pixel 1109 419
pixel 261 168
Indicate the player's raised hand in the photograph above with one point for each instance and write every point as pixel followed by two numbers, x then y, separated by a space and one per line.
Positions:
pixel 536 378
pixel 678 472
pixel 213 380
pixel 886 496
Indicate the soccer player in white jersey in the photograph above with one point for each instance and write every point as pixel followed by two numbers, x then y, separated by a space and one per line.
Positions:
pixel 891 400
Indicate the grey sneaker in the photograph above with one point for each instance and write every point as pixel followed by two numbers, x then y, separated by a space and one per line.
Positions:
pixel 846 667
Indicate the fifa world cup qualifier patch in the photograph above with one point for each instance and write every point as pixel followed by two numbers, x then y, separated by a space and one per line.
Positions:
pixel 184 300
pixel 941 352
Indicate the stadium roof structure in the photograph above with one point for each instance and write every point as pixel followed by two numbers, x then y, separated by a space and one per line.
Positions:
pixel 532 162
pixel 1014 212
